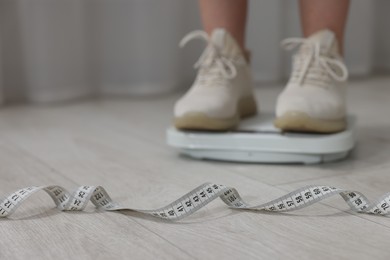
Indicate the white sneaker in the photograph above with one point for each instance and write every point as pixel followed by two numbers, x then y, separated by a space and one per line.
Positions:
pixel 314 99
pixel 222 92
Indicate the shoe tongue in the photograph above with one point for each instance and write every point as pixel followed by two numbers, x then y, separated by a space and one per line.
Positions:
pixel 225 43
pixel 327 40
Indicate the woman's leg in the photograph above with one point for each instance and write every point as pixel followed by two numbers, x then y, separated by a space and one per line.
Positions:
pixel 228 14
pixel 319 106
pixel 229 95
pixel 324 14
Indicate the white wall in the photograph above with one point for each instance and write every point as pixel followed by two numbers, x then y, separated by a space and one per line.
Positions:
pixel 55 50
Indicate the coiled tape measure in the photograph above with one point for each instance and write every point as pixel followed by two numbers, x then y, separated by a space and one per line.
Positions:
pixel 196 199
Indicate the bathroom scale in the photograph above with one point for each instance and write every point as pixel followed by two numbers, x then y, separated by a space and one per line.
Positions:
pixel 256 140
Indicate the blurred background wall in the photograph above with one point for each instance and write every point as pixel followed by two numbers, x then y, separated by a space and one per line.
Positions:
pixel 55 50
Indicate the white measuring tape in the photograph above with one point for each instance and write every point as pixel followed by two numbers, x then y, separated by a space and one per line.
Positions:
pixel 196 199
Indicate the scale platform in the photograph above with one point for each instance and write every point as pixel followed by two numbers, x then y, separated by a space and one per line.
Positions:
pixel 256 140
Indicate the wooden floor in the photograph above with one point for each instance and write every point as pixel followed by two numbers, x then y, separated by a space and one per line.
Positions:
pixel 120 144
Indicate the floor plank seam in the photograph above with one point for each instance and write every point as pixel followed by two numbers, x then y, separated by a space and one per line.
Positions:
pixel 165 239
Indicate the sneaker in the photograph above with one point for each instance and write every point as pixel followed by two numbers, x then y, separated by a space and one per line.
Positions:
pixel 222 93
pixel 314 99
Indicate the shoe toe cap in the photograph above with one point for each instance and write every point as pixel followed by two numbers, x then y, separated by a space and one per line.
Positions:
pixel 210 106
pixel 319 106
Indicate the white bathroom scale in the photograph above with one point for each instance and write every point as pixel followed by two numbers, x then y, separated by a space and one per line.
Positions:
pixel 256 140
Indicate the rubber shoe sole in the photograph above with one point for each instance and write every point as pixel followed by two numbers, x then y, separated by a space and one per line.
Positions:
pixel 301 122
pixel 200 121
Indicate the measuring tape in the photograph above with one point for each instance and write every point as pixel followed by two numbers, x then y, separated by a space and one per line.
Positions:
pixel 196 199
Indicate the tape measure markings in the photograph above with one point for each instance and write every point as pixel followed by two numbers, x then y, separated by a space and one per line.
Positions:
pixel 195 200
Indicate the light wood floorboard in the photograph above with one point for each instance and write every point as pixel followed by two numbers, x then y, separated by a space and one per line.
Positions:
pixel 120 144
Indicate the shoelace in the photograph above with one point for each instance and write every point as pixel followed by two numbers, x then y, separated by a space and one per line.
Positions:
pixel 211 56
pixel 314 53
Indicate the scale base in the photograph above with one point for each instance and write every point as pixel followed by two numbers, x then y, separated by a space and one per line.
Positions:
pixel 256 140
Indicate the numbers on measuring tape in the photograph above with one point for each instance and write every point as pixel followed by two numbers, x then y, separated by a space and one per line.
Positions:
pixel 196 199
